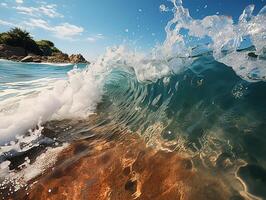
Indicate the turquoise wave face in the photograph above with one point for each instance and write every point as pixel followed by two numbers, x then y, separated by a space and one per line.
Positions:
pixel 207 110
pixel 178 97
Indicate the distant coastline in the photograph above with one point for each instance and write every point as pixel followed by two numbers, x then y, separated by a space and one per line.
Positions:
pixel 42 63
pixel 17 45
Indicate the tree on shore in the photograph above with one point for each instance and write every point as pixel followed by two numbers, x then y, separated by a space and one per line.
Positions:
pixel 47 47
pixel 20 38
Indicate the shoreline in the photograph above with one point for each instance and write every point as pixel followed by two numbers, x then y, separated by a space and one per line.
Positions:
pixel 41 63
pixel 19 54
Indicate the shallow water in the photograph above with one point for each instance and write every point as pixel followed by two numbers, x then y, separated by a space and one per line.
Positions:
pixel 172 117
pixel 206 114
pixel 115 164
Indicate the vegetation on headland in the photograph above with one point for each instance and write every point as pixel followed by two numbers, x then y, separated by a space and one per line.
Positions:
pixel 47 47
pixel 21 38
pixel 24 45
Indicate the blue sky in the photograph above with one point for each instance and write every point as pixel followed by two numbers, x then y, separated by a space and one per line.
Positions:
pixel 89 26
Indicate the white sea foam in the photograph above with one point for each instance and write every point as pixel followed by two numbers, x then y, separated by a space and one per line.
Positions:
pixel 19 179
pixel 79 94
pixel 75 97
pixel 42 63
pixel 52 64
pixel 222 34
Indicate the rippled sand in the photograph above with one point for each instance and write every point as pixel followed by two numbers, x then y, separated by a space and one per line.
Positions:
pixel 122 167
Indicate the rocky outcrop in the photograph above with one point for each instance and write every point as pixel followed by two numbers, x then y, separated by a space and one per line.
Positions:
pixel 18 45
pixel 27 59
pixel 58 58
pixel 54 58
pixel 7 51
pixel 77 58
pixel 19 54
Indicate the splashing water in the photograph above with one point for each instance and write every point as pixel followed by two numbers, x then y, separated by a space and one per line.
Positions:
pixel 200 93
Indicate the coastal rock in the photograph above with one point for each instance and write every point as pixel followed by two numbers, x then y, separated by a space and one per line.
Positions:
pixel 38 58
pixel 19 54
pixel 16 58
pixel 18 45
pixel 58 58
pixel 77 58
pixel 27 59
pixel 7 51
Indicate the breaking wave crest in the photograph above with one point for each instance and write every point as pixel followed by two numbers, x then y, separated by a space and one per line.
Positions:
pixel 201 92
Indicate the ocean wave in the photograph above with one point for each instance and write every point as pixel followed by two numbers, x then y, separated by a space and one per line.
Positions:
pixel 205 100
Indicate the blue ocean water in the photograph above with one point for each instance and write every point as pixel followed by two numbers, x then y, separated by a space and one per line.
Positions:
pixel 205 102
pixel 206 111
pixel 14 72
pixel 16 78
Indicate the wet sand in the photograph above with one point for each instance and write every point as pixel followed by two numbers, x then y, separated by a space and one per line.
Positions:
pixel 121 167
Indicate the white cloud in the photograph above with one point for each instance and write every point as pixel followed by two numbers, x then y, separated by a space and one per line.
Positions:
pixel 38 23
pixel 67 30
pixel 64 30
pixel 6 23
pixel 44 10
pixel 3 4
pixel 37 20
pixel 19 1
pixel 94 38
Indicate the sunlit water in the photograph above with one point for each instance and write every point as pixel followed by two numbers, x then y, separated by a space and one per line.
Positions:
pixel 207 102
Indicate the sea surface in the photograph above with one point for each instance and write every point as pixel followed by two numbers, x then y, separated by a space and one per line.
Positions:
pixel 205 103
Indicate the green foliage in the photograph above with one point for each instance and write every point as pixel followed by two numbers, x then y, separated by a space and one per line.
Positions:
pixel 45 43
pixel 22 38
pixel 1 40
pixel 47 47
pixel 56 50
